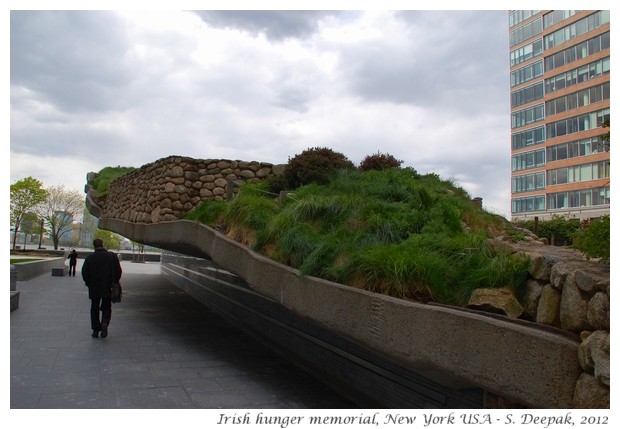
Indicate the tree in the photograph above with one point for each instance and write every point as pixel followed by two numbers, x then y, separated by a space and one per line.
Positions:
pixel 110 239
pixel 26 196
pixel 594 238
pixel 61 208
pixel 29 225
pixel 606 136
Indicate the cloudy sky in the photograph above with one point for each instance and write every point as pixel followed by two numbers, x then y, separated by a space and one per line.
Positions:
pixel 90 89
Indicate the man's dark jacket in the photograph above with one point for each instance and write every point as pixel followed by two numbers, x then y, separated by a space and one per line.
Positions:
pixel 100 269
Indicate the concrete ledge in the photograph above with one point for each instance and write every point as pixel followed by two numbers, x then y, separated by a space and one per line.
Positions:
pixel 14 300
pixel 28 270
pixel 13 278
pixel 520 361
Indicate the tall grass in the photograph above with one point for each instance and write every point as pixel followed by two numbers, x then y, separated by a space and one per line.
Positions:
pixel 105 176
pixel 393 232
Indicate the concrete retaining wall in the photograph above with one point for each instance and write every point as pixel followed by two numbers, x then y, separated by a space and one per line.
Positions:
pixel 437 342
pixel 28 270
pixel 369 379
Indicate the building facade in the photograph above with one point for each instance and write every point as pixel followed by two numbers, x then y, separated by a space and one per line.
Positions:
pixel 559 104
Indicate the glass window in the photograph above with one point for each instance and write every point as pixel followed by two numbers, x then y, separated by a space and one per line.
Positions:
pixel 572 125
pixel 529 160
pixel 572 174
pixel 585 198
pixel 540 157
pixel 561 200
pixel 581 26
pixel 585 172
pixel 605 65
pixel 605 41
pixel 582 75
pixel 562 175
pixel 571 78
pixel 560 105
pixel 584 97
pixel 540 180
pixel 560 128
pixel 562 152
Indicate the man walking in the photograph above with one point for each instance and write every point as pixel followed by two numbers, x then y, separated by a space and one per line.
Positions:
pixel 73 256
pixel 99 270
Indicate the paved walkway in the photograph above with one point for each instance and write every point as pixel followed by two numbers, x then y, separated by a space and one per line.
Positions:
pixel 164 350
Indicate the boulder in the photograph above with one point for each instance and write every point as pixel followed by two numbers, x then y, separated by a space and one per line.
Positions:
pixel 549 307
pixel 574 307
pixel 498 301
pixel 598 311
pixel 590 394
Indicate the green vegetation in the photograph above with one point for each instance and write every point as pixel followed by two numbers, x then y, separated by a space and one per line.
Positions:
pixel 22 260
pixel 315 165
pixel 392 231
pixel 557 230
pixel 106 176
pixel 594 239
pixel 379 161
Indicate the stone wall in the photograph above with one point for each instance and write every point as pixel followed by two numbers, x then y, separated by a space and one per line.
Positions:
pixel 569 292
pixel 170 187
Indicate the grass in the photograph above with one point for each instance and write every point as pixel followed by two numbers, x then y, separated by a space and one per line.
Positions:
pixel 106 176
pixel 393 232
pixel 22 260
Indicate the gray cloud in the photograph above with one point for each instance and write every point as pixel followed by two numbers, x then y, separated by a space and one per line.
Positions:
pixel 74 60
pixel 101 88
pixel 276 25
pixel 456 49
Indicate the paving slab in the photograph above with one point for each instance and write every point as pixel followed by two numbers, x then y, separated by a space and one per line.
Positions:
pixel 165 350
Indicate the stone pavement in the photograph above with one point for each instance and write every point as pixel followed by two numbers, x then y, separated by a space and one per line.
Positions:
pixel 164 350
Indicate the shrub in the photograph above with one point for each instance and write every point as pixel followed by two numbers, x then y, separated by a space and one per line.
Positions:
pixel 315 165
pixel 558 230
pixel 594 239
pixel 379 161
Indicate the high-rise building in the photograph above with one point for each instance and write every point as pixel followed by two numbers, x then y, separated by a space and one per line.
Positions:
pixel 559 104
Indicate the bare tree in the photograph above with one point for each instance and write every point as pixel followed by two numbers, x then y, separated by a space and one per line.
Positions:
pixel 60 210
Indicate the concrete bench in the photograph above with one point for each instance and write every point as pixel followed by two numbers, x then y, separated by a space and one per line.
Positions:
pixel 59 272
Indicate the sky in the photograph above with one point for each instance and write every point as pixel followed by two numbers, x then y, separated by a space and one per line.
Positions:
pixel 123 87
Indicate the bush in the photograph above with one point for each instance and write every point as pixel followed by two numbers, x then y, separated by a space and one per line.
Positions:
pixel 594 239
pixel 379 161
pixel 315 165
pixel 558 230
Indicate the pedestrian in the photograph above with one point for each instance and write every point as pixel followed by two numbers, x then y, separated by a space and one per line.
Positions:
pixel 99 270
pixel 73 256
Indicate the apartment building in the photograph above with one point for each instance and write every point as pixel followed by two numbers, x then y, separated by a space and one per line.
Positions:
pixel 559 102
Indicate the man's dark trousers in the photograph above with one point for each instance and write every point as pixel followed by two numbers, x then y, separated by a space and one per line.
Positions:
pixel 105 306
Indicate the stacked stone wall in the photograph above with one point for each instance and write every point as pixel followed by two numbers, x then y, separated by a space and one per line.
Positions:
pixel 168 188
pixel 568 292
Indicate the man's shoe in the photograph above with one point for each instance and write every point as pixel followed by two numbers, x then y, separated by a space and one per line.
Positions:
pixel 104 330
pixel 95 334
